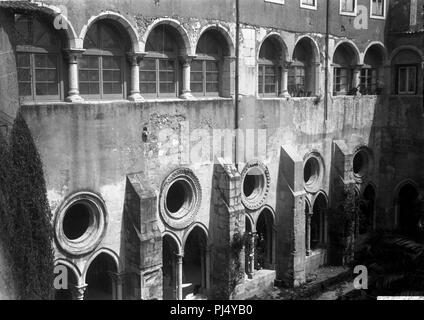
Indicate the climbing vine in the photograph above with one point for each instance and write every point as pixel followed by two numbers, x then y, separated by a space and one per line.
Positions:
pixel 236 272
pixel 25 214
pixel 342 223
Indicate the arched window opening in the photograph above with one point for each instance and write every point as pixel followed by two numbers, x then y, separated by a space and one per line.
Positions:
pixel 169 268
pixel 344 62
pixel 206 68
pixel 409 216
pixel 318 218
pixel 102 66
pixel 406 68
pixel 194 265
pixel 302 70
pixel 269 78
pixel 159 69
pixel 366 212
pixel 99 279
pixel 265 241
pixel 38 59
pixel 371 72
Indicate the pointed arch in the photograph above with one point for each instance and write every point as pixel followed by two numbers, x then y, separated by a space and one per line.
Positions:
pixel 107 252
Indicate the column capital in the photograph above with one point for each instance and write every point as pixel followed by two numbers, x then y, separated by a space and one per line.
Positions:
pixel 187 59
pixel 134 58
pixel 285 64
pixel 73 54
pixel 117 277
pixel 230 58
pixel 358 66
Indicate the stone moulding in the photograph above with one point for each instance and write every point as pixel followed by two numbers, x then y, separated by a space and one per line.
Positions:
pixel 187 214
pixel 257 200
pixel 95 231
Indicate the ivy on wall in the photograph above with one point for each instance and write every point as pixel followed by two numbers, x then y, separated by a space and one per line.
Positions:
pixel 342 223
pixel 25 214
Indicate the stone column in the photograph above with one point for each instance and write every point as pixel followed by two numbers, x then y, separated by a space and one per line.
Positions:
pixel 180 276
pixel 79 291
pixel 228 77
pixel 316 68
pixel 308 233
pixel 186 91
pixel 202 268
pixel 134 59
pixel 356 78
pixel 73 56
pixel 396 222
pixel 207 267
pixel 117 281
pixel 285 65
pixel 251 266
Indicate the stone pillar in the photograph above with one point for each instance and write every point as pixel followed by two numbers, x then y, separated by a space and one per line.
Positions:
pixel 202 268
pixel 251 266
pixel 285 65
pixel 117 281
pixel 180 276
pixel 316 68
pixel 356 78
pixel 134 59
pixel 396 211
pixel 186 91
pixel 308 233
pixel 228 77
pixel 207 267
pixel 79 291
pixel 73 56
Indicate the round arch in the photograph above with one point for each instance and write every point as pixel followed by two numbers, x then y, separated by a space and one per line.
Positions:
pixel 314 45
pixel 381 47
pixel 192 228
pixel 223 31
pixel 120 19
pixel 277 37
pixel 106 251
pixel 406 47
pixel 351 45
pixel 176 239
pixel 61 19
pixel 189 48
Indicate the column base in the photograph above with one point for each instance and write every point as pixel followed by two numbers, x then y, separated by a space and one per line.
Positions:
pixel 285 95
pixel 136 97
pixel 186 95
pixel 74 98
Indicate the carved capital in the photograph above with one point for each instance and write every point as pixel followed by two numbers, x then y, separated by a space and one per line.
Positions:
pixel 134 58
pixel 73 54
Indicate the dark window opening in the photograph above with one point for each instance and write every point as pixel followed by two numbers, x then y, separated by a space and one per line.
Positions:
pixel 76 221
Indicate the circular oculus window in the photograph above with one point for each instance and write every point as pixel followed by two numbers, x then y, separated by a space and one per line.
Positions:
pixel 255 185
pixel 313 171
pixel 361 163
pixel 180 198
pixel 80 224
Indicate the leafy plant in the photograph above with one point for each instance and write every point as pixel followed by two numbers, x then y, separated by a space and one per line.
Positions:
pixel 29 230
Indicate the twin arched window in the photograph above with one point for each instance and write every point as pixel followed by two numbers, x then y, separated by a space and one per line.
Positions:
pixel 38 59
pixel 102 67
